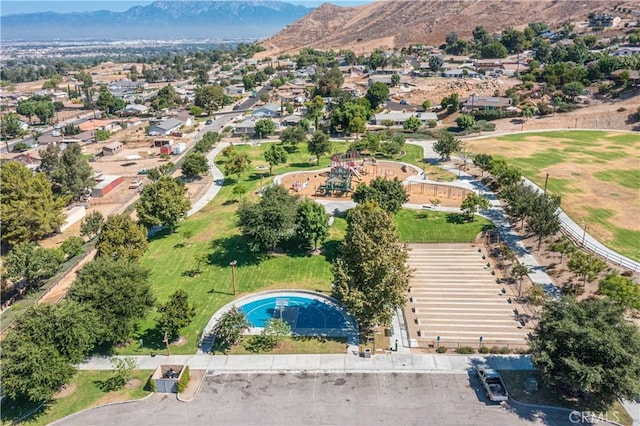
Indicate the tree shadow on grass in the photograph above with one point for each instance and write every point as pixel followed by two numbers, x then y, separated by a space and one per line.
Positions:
pixel 303 165
pixel 228 249
pixel 153 235
pixel 153 339
pixel 457 218
pixel 330 250
pixel 14 411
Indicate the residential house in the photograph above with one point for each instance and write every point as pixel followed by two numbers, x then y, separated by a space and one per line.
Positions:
pixel 185 118
pixel 305 72
pixel 634 76
pixel 30 158
pixel 398 118
pixel 165 127
pixel 479 103
pixel 126 88
pixel 162 142
pixel 268 110
pixel 459 73
pixel 291 120
pixel 603 20
pixel 112 148
pixel 135 109
pixel 389 70
pixel 627 51
pixel 235 90
pixel 247 127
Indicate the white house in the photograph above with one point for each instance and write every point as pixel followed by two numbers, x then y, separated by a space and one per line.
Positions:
pixel 398 118
pixel 247 127
pixel 135 109
pixel 267 110
pixel 165 127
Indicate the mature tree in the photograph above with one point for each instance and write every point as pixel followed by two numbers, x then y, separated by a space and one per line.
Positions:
pixel 109 103
pixel 472 203
pixel 237 164
pixel 377 94
pixel 45 110
pixel 32 371
pixel 156 173
pixel 26 108
pixel 328 81
pixel 514 40
pixel 269 221
pixel 390 195
pixel 505 174
pixel 72 246
pixel 518 272
pixel 622 290
pixel 195 165
pixel 92 224
pixel 446 145
pixel 69 170
pixel 28 208
pixel 586 266
pixel 573 89
pixel 357 126
pixel 344 112
pixel 31 264
pixel 451 102
pixel 588 348
pixel 543 219
pixel 315 108
pixel 319 145
pixel 564 246
pixel 494 50
pixel 273 333
pixel 177 313
pixel 10 126
pixel 483 161
pixel 163 203
pixel 520 199
pixel 465 121
pixel 121 239
pixel 167 97
pixel 229 328
pixel 207 142
pixel 210 97
pixel 293 136
pixel 46 337
pixel 275 155
pixel 370 274
pixel 239 190
pixel 312 222
pixel 265 127
pixel 480 35
pixel 118 291
pixel 435 62
pixel 412 124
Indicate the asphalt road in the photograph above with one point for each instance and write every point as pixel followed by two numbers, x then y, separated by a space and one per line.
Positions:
pixel 323 399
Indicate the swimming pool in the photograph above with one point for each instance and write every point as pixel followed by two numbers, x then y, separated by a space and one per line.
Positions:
pixel 305 313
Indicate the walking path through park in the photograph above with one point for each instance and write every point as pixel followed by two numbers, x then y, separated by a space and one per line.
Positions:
pixel 323 363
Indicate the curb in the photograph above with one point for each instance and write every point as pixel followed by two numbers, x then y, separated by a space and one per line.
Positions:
pixel 102 405
pixel 204 376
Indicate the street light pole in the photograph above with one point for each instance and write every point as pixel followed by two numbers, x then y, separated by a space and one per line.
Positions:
pixel 233 275
pixel 584 233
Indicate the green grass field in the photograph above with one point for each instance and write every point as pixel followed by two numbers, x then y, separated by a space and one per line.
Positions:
pixel 415 226
pixel 171 257
pixel 86 393
pixel 595 172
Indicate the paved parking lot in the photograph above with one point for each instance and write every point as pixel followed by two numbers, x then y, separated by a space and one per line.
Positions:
pixel 322 399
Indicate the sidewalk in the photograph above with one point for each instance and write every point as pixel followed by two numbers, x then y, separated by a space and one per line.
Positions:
pixel 394 362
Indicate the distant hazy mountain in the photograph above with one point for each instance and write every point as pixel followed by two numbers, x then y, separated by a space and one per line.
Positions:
pixel 159 20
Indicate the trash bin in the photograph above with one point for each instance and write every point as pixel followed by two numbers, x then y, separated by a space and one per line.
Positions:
pixel 367 353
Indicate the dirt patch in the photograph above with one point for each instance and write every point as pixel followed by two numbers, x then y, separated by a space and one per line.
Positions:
pixel 195 378
pixel 180 341
pixel 66 390
pixel 133 384
pixel 111 397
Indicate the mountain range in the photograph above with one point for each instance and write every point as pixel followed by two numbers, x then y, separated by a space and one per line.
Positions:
pixel 158 20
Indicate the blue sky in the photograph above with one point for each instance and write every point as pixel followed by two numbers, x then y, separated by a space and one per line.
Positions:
pixel 8 7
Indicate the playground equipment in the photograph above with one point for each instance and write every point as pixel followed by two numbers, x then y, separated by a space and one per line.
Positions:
pixel 343 168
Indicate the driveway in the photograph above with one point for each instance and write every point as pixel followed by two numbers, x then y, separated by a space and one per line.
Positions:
pixel 323 399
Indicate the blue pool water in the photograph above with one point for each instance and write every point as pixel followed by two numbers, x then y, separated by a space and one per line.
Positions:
pixel 299 312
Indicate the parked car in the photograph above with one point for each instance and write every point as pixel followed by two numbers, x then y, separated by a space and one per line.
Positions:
pixel 143 171
pixel 492 382
pixel 208 122
pixel 404 102
pixel 135 184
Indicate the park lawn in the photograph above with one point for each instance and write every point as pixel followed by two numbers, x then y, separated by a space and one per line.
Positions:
pixel 86 394
pixel 414 154
pixel 419 226
pixel 595 173
pixel 514 380
pixel 296 345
